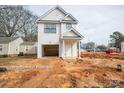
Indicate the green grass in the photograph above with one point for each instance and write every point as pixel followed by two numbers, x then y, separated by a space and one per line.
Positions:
pixel 3 56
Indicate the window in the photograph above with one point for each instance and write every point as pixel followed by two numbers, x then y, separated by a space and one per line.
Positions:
pixel 68 26
pixel 0 47
pixel 26 48
pixel 50 28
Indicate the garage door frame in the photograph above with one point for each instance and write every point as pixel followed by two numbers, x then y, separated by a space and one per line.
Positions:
pixel 43 51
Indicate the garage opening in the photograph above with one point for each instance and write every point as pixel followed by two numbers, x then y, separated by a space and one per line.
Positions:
pixel 50 50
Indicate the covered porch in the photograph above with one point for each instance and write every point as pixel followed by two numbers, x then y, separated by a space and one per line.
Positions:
pixel 71 44
pixel 70 48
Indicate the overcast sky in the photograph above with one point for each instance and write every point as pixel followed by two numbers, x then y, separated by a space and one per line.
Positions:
pixel 96 23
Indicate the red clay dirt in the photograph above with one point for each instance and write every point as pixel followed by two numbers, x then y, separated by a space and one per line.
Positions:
pixel 57 73
pixel 102 55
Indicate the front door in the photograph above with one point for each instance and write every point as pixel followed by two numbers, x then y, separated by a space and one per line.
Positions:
pixel 68 49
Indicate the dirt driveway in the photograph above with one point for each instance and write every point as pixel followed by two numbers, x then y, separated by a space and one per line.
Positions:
pixel 57 73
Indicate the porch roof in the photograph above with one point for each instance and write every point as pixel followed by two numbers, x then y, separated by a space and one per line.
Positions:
pixel 72 34
pixel 71 37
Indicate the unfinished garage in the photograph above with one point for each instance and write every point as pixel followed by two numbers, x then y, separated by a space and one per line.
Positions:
pixel 50 50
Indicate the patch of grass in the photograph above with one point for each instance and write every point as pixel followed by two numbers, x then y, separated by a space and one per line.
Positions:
pixel 3 56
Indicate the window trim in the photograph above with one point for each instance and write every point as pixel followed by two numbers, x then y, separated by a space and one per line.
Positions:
pixel 67 26
pixel 50 26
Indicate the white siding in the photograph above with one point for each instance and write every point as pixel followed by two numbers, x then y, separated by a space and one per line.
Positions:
pixel 28 49
pixel 4 49
pixel 48 38
pixel 54 38
pixel 14 46
pixel 54 15
pixel 63 28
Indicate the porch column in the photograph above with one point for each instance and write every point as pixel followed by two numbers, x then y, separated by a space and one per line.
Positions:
pixel 39 51
pixel 63 51
pixel 79 48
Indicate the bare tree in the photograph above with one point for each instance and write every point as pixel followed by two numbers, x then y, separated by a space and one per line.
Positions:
pixel 29 31
pixel 16 20
pixel 10 19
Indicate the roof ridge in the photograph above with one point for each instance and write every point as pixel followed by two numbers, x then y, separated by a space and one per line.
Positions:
pixel 52 9
pixel 49 11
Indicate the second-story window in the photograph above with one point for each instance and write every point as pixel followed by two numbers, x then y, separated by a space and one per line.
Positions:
pixel 50 28
pixel 68 26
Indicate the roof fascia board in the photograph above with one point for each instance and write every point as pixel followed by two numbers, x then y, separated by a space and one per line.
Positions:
pixel 75 31
pixel 46 13
pixel 11 41
pixel 54 21
pixel 70 16
pixel 15 39
pixel 72 38
pixel 52 9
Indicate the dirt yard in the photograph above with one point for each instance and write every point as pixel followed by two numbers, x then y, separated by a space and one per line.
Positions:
pixel 91 71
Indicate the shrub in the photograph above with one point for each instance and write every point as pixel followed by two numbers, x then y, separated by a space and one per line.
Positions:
pixel 21 54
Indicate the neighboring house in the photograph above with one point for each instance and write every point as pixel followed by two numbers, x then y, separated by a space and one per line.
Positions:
pixel 28 47
pixel 10 45
pixel 57 34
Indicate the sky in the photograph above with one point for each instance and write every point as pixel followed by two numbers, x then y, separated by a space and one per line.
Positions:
pixel 96 23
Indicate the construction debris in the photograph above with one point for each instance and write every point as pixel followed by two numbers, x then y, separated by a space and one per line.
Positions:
pixel 119 67
pixel 3 69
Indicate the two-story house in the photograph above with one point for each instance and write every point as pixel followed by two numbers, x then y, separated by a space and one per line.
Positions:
pixel 57 34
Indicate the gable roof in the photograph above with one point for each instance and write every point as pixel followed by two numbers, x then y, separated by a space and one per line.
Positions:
pixel 6 40
pixel 76 36
pixel 69 15
pixel 60 9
